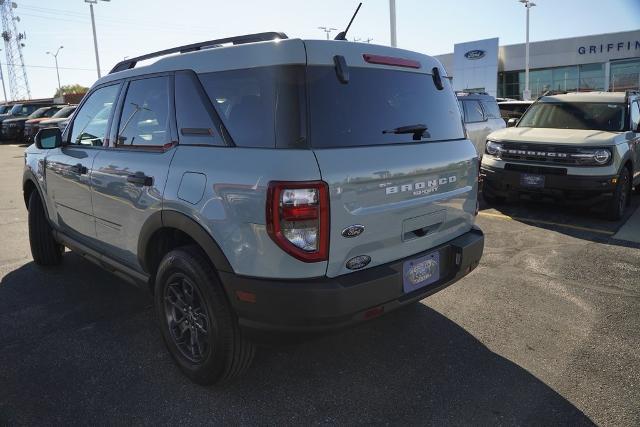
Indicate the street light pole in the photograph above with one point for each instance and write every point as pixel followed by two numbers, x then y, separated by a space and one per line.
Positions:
pixel 55 57
pixel 527 93
pixel 327 30
pixel 392 23
pixel 95 38
pixel 4 90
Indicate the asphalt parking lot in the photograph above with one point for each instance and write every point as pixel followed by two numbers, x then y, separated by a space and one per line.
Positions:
pixel 545 331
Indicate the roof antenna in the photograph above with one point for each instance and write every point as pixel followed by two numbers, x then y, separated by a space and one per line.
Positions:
pixel 342 35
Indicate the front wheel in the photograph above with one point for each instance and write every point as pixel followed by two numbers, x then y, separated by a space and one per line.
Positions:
pixel 198 326
pixel 44 249
pixel 621 199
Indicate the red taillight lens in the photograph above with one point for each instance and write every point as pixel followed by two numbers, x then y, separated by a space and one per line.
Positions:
pixel 298 218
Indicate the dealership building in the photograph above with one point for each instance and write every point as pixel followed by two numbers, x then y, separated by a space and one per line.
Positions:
pixel 609 62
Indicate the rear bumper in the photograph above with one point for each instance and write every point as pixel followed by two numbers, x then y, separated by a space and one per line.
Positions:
pixel 502 182
pixel 321 304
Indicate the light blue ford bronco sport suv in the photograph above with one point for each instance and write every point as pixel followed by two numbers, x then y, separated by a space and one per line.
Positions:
pixel 260 185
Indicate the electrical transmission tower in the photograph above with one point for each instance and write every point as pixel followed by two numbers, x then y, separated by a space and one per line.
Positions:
pixel 13 44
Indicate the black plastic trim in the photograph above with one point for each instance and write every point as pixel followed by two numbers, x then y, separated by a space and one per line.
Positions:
pixel 243 39
pixel 324 303
pixel 180 221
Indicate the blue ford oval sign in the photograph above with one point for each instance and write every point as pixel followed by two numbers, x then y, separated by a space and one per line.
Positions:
pixel 475 54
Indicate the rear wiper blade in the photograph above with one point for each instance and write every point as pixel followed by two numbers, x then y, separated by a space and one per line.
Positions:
pixel 419 131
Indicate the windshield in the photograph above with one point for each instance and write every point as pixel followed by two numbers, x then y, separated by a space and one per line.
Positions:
pixel 39 113
pixel 575 115
pixel 64 112
pixel 16 109
pixel 4 109
pixel 375 100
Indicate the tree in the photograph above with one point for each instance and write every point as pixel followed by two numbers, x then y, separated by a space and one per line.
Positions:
pixel 70 89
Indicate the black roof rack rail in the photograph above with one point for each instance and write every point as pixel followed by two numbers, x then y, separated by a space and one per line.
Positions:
pixel 127 64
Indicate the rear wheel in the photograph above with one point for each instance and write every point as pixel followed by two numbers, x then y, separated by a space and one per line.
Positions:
pixel 44 249
pixel 197 323
pixel 621 196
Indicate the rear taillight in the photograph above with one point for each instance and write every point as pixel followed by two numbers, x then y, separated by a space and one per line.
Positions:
pixel 298 218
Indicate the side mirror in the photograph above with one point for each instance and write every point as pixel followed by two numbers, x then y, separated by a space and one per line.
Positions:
pixel 512 122
pixel 48 138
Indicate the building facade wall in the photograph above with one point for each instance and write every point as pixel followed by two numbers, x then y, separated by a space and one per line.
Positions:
pixel 599 62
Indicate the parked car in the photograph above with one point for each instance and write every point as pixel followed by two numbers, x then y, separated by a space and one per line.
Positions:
pixel 246 213
pixel 5 108
pixel 21 110
pixel 481 116
pixel 581 147
pixel 513 110
pixel 62 115
pixel 13 127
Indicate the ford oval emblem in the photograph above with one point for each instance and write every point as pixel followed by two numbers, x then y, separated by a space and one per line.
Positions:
pixel 358 262
pixel 353 231
pixel 475 54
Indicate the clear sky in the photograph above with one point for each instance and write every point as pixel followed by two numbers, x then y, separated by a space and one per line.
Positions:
pixel 134 27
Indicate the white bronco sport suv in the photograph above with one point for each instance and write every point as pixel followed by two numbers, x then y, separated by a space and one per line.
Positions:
pixel 260 184
pixel 579 147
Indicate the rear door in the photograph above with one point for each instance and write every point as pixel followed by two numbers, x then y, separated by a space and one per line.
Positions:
pixel 128 178
pixel 410 195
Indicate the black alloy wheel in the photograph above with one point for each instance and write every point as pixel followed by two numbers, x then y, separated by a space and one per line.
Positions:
pixel 187 318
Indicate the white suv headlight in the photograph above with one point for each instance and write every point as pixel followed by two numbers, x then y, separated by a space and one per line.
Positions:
pixel 493 148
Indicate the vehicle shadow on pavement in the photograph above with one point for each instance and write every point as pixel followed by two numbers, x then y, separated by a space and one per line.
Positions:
pixel 78 345
pixel 575 221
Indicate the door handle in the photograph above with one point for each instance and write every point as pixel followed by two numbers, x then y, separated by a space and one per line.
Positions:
pixel 79 168
pixel 140 178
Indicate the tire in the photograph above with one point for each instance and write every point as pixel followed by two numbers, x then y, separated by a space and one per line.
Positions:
pixel 197 323
pixel 44 249
pixel 621 197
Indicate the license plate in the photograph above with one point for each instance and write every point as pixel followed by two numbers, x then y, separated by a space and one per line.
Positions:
pixel 420 272
pixel 533 181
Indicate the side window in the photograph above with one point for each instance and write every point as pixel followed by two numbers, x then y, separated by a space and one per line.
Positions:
pixel 635 116
pixel 491 109
pixel 145 113
pixel 194 112
pixel 473 112
pixel 260 106
pixel 89 126
pixel 50 112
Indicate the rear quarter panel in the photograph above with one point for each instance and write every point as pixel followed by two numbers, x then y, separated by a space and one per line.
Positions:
pixel 233 203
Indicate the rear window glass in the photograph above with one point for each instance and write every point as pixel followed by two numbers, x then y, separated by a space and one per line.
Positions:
pixel 260 106
pixel 472 111
pixel 491 109
pixel 374 100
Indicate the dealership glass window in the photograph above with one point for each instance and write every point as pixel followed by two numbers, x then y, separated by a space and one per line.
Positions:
pixel 508 85
pixel 624 75
pixel 565 78
pixel 591 77
pixel 540 81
